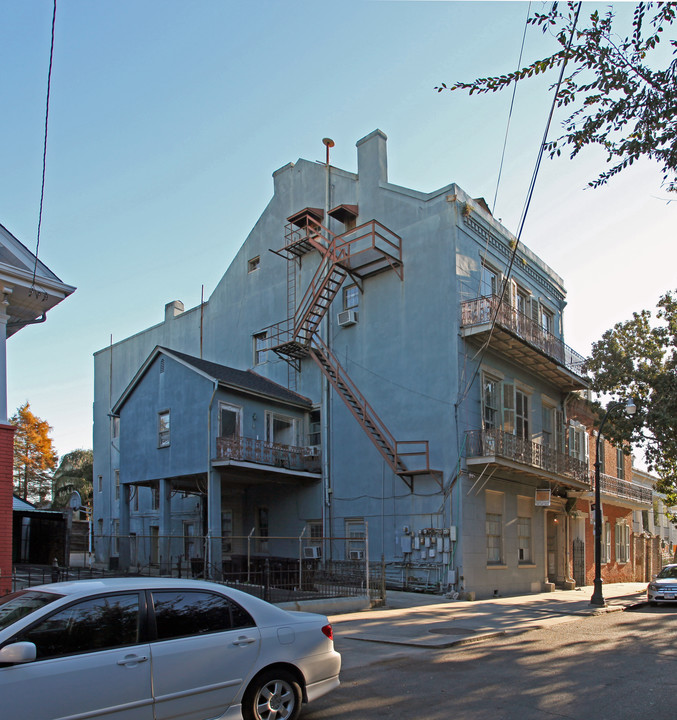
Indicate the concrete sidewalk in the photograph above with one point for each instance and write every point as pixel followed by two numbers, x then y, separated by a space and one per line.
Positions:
pixel 426 621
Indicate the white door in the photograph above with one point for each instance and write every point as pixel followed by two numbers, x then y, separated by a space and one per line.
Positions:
pixel 89 665
pixel 206 647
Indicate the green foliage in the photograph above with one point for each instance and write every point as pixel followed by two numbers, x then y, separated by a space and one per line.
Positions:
pixel 75 473
pixel 638 359
pixel 620 100
pixel 34 455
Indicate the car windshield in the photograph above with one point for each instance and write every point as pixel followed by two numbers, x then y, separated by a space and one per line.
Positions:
pixel 17 605
pixel 668 572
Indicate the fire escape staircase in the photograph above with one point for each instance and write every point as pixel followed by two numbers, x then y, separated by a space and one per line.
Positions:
pixel 297 338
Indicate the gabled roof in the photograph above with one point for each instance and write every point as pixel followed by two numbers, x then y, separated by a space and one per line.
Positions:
pixel 19 504
pixel 244 381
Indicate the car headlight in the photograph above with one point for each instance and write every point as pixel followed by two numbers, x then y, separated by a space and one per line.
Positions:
pixel 653 586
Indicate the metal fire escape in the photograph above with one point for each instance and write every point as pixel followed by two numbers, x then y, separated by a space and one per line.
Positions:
pixel 359 253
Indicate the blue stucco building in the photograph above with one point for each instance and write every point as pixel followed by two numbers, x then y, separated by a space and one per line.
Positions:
pixel 396 364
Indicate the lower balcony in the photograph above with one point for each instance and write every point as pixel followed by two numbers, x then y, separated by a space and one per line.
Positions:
pixel 512 453
pixel 259 459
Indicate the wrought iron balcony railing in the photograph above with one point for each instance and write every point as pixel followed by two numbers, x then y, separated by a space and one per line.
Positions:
pixel 480 311
pixel 500 444
pixel 610 485
pixel 291 457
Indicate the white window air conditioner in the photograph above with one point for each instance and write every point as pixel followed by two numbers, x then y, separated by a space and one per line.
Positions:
pixel 311 451
pixel 348 318
pixel 357 554
pixel 312 553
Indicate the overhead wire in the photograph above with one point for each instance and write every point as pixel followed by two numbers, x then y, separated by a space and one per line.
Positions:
pixel 44 149
pixel 525 211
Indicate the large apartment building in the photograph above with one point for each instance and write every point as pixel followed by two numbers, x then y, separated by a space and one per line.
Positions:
pixel 376 361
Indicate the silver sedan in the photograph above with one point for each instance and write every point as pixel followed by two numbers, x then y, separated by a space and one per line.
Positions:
pixel 663 588
pixel 155 649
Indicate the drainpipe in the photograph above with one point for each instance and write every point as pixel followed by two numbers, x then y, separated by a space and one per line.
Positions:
pixel 326 392
pixel 208 533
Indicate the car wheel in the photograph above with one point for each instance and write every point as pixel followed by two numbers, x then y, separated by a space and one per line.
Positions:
pixel 272 695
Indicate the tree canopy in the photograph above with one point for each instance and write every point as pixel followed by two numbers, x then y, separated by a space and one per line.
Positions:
pixel 74 474
pixel 638 359
pixel 34 456
pixel 618 95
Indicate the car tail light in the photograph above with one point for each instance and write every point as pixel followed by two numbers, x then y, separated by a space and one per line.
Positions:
pixel 328 631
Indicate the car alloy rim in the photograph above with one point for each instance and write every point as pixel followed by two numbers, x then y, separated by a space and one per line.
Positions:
pixel 275 701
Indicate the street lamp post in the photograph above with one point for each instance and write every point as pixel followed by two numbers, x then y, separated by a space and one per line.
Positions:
pixel 597 596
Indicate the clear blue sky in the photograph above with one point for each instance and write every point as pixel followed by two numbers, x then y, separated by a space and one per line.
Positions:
pixel 168 118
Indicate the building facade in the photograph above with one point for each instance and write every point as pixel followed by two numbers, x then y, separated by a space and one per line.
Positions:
pixel 427 397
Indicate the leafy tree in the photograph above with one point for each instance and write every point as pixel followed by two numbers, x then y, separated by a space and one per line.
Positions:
pixel 75 473
pixel 638 359
pixel 34 455
pixel 618 96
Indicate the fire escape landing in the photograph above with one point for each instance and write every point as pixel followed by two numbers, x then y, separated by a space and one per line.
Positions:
pixel 359 252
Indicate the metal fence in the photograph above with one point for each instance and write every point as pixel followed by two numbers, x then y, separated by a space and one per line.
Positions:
pixel 246 565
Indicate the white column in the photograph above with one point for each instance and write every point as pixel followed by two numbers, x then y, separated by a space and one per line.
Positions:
pixel 4 317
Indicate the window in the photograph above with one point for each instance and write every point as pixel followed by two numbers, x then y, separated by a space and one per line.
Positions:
pixel 525 507
pixel 99 484
pixel 314 429
pixel 115 426
pixel 522 415
pixel 547 422
pixel 262 530
pixel 182 614
pixel 282 429
pixel 117 484
pixel 95 624
pixel 115 540
pixel 226 531
pixel 163 429
pixel 253 264
pixel 191 543
pixel 516 412
pixel 260 347
pixel 622 542
pixel 620 463
pixel 546 320
pixel 494 527
pixel 351 297
pixel 135 498
pixel 491 399
pixel 488 281
pixel 578 441
pixel 229 420
pixel 155 498
pixel 606 543
pixel 355 536
pixel 154 544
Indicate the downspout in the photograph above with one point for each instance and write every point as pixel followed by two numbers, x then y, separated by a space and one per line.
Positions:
pixel 208 545
pixel 327 525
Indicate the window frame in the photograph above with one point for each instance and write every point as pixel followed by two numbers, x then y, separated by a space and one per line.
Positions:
pixel 164 423
pixel 351 297
pixel 253 264
pixel 259 340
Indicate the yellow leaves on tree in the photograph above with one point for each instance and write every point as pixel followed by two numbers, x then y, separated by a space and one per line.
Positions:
pixel 34 456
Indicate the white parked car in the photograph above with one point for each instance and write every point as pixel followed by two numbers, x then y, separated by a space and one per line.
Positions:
pixel 663 588
pixel 158 648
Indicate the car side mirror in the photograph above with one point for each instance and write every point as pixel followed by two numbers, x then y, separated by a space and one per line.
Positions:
pixel 19 652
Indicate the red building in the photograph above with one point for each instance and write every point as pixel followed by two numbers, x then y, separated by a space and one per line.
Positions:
pixel 28 290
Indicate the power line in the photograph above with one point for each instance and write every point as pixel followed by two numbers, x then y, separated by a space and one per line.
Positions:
pixel 44 149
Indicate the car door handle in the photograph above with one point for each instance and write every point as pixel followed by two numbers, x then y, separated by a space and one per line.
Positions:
pixel 243 640
pixel 132 659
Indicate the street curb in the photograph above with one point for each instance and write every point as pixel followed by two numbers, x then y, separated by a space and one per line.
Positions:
pixel 430 645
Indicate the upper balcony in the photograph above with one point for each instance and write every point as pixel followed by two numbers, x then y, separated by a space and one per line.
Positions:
pixel 521 339
pixel 254 461
pixel 511 453
pixel 624 490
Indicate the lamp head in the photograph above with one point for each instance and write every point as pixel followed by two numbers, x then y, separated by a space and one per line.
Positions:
pixel 630 407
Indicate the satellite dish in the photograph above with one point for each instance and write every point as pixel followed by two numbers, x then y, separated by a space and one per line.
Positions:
pixel 75 501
